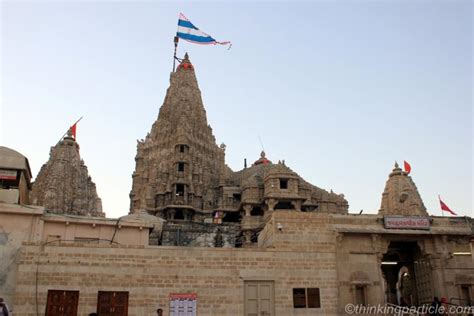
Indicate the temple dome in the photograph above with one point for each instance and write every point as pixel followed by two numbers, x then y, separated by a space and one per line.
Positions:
pixel 262 160
pixel 11 159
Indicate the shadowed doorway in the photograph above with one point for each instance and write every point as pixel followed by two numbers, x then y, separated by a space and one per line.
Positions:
pixel 407 274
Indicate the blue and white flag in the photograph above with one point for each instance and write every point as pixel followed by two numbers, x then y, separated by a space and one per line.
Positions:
pixel 190 33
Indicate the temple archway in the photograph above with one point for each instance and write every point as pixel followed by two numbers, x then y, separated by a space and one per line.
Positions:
pixel 407 274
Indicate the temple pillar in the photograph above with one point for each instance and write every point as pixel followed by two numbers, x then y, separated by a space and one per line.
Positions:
pixel 247 209
pixel 380 247
pixel 247 237
pixel 170 214
pixel 271 203
pixel 297 205
pixel 437 275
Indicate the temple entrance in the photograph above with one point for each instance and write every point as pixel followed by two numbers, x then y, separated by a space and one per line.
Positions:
pixel 407 275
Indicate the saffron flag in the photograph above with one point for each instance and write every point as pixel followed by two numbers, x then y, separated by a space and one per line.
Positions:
pixel 190 33
pixel 407 167
pixel 73 130
pixel 444 207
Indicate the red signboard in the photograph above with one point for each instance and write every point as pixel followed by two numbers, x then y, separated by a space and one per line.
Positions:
pixel 7 174
pixel 406 222
pixel 184 296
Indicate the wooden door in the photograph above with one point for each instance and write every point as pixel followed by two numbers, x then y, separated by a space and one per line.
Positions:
pixel 62 303
pixel 259 298
pixel 112 303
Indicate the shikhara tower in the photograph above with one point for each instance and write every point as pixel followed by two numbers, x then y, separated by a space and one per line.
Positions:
pixel 179 163
pixel 63 185
pixel 181 175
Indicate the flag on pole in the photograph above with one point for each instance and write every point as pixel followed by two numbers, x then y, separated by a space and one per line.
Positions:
pixel 73 130
pixel 444 207
pixel 407 167
pixel 190 33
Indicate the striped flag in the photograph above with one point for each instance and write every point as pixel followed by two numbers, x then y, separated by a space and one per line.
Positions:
pixel 190 33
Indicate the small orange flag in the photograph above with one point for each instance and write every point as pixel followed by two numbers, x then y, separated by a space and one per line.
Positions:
pixel 73 130
pixel 407 167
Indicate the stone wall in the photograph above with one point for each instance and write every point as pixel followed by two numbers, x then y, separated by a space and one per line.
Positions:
pixel 67 228
pixel 17 224
pixel 20 224
pixel 296 250
pixel 217 275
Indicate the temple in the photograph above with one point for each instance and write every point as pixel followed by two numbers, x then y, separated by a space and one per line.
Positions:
pixel 63 185
pixel 202 239
pixel 181 175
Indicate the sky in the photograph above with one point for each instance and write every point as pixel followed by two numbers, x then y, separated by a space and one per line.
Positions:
pixel 338 89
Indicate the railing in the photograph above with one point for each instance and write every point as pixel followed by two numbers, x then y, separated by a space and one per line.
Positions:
pixel 177 200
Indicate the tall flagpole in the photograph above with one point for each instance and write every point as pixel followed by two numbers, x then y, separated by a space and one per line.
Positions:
pixel 439 200
pixel 176 39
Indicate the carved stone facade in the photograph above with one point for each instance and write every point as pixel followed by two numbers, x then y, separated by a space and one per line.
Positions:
pixel 181 175
pixel 178 165
pixel 401 196
pixel 63 185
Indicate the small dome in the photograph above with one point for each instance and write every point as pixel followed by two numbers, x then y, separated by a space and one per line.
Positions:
pixel 280 169
pixel 11 159
pixel 262 160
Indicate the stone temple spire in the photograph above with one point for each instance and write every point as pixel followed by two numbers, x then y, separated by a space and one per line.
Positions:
pixel 63 185
pixel 401 196
pixel 179 161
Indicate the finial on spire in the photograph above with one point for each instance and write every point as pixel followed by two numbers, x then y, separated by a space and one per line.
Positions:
pixel 263 159
pixel 185 62
pixel 396 165
pixel 69 132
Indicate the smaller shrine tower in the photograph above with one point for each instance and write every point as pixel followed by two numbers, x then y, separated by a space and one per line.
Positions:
pixel 401 196
pixel 63 185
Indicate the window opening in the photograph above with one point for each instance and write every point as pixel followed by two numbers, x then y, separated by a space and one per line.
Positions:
pixel 180 189
pixel 179 214
pixel 306 298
